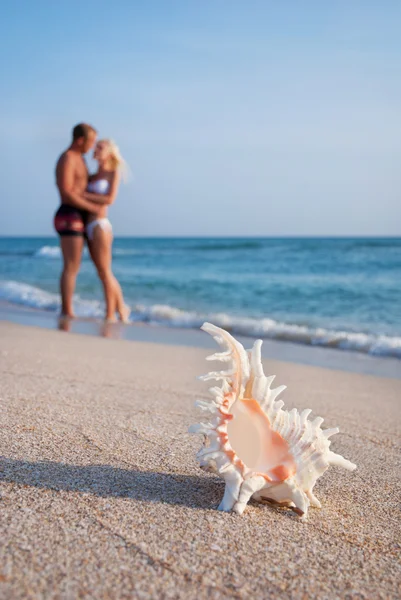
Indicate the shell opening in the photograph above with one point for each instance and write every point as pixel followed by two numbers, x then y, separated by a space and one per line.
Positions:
pixel 257 445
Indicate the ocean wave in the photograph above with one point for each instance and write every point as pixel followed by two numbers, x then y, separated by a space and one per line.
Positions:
pixel 169 316
pixel 15 253
pixel 380 243
pixel 55 252
pixel 48 252
pixel 30 296
pixel 127 252
pixel 229 245
pixel 380 345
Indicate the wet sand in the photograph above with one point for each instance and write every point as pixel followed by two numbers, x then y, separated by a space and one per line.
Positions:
pixel 101 495
pixel 328 358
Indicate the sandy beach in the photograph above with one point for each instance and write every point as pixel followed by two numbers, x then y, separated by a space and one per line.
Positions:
pixel 102 497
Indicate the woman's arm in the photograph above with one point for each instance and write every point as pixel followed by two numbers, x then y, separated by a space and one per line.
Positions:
pixel 106 198
pixel 65 184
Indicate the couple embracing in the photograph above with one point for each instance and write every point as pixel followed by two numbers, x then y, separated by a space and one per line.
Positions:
pixel 83 216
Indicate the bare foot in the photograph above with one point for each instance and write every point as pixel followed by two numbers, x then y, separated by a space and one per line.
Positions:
pixel 110 319
pixel 125 313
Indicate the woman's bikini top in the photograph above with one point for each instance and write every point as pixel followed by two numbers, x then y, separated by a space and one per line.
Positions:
pixel 99 186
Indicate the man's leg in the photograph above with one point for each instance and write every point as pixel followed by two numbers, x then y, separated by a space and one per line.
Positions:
pixel 71 247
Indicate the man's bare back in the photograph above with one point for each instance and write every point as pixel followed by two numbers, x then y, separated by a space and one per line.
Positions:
pixel 71 176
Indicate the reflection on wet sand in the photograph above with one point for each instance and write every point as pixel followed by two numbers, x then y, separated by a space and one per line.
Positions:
pixel 112 330
pixel 108 330
pixel 64 323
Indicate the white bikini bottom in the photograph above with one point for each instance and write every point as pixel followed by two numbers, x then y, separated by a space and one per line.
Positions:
pixel 102 223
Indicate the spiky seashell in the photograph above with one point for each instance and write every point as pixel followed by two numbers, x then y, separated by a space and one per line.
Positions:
pixel 259 449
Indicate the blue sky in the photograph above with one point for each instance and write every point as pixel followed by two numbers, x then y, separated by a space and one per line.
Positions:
pixel 237 118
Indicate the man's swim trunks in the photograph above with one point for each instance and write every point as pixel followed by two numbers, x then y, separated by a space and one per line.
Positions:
pixel 69 220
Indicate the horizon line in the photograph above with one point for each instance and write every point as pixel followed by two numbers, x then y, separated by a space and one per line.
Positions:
pixel 187 237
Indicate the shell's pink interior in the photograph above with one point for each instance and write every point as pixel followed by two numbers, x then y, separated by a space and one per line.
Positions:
pixel 261 449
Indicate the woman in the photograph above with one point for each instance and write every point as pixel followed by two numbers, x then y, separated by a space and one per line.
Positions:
pixel 103 188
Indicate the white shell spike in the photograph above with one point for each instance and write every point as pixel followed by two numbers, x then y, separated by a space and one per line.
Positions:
pixel 257 447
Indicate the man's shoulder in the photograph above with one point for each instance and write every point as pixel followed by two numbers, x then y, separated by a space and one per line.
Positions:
pixel 67 159
pixel 67 156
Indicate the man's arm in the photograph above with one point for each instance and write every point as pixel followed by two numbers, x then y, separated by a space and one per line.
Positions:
pixel 65 184
pixel 106 198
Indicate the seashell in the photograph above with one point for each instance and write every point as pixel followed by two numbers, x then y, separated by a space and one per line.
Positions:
pixel 260 450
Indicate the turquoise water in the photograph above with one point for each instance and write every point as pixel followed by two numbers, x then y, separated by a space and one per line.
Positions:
pixel 332 292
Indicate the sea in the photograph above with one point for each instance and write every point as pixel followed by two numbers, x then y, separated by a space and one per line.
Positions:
pixel 342 293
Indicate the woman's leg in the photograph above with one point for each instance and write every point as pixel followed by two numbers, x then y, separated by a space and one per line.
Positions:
pixel 122 309
pixel 100 251
pixel 71 248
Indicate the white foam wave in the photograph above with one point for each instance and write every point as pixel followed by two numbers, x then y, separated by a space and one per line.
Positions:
pixel 127 252
pixel 380 345
pixel 48 252
pixel 34 297
pixel 163 314
pixel 55 252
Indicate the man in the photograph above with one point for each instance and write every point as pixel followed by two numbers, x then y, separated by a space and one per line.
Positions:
pixel 70 219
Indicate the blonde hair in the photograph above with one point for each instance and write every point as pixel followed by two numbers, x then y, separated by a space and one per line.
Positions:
pixel 115 159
